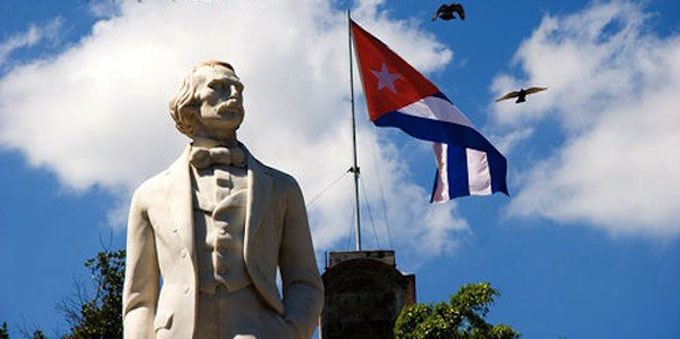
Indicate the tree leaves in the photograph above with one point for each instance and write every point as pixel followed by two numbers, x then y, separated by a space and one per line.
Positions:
pixel 463 317
pixel 100 316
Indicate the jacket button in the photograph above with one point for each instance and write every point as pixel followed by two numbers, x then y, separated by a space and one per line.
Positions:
pixel 186 289
pixel 183 253
pixel 224 182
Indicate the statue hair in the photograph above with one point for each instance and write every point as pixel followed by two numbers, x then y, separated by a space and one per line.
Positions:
pixel 183 105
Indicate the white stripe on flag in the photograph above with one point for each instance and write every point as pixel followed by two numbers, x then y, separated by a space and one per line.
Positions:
pixel 436 108
pixel 441 190
pixel 479 177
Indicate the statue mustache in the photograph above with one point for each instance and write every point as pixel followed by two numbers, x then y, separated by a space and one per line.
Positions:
pixel 231 105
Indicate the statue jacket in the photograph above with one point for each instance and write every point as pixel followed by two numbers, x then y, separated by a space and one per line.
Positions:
pixel 160 243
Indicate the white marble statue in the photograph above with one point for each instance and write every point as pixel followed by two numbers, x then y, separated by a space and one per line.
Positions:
pixel 205 237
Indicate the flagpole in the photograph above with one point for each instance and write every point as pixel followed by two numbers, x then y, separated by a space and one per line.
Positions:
pixel 355 168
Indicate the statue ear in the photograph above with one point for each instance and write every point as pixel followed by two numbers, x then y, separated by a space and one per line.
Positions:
pixel 194 105
pixel 190 110
pixel 188 114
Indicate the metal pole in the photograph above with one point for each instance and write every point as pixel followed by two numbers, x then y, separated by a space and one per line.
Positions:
pixel 355 168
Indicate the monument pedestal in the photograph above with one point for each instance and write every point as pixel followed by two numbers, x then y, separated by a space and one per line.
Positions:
pixel 364 295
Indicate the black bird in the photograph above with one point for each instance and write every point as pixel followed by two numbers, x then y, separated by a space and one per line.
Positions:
pixel 522 94
pixel 446 12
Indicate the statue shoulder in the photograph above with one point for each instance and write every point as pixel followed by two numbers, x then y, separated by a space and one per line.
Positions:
pixel 287 184
pixel 152 187
pixel 151 184
pixel 147 189
pixel 282 180
pixel 158 183
pixel 279 176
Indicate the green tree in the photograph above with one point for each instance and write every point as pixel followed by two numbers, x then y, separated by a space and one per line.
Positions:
pixel 4 332
pixel 98 316
pixel 462 318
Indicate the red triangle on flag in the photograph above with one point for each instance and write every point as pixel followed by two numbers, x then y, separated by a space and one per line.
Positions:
pixel 389 82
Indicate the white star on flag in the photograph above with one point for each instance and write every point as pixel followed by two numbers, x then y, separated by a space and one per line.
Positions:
pixel 385 78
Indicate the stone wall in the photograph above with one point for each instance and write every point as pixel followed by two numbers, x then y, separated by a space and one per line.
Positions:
pixel 364 295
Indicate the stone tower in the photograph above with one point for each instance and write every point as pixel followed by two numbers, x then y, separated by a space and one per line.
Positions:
pixel 364 295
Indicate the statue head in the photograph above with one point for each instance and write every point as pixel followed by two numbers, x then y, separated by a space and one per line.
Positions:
pixel 210 102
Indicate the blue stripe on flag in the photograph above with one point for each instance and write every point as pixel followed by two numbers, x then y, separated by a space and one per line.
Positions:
pixel 497 168
pixel 456 162
pixel 452 135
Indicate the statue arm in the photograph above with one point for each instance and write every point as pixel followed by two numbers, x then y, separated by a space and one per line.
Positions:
pixel 302 286
pixel 140 289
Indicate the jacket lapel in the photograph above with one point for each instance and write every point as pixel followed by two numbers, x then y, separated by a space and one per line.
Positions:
pixel 259 193
pixel 179 200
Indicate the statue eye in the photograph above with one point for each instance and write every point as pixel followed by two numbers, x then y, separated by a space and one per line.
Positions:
pixel 216 85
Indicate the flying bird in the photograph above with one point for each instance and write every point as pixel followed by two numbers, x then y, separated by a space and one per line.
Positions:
pixel 521 95
pixel 446 12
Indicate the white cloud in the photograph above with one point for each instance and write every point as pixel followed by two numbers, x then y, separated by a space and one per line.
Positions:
pixel 103 8
pixel 97 113
pixel 29 38
pixel 507 142
pixel 613 89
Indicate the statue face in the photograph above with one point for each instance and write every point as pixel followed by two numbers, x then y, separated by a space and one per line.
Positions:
pixel 219 91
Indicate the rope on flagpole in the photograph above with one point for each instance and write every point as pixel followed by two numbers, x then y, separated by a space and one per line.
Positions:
pixel 382 195
pixel 370 214
pixel 351 232
pixel 318 195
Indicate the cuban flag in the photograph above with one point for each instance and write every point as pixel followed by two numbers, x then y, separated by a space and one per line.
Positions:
pixel 399 96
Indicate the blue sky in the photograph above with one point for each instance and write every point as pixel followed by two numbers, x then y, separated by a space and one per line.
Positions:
pixel 586 246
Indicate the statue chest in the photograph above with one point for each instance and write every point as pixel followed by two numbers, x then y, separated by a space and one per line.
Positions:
pixel 220 198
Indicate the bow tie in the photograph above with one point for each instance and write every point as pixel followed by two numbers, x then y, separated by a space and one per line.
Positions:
pixel 202 157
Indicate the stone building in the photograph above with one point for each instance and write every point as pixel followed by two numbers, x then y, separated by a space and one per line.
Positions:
pixel 364 295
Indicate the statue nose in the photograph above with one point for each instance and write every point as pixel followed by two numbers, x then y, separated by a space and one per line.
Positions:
pixel 235 93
